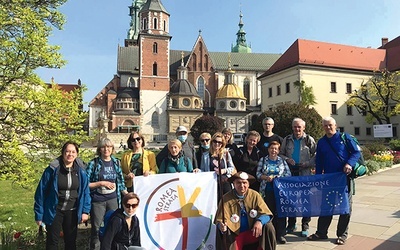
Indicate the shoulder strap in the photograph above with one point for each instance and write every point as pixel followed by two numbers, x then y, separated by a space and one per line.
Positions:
pixel 333 149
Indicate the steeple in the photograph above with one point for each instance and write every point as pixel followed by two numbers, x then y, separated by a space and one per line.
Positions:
pixel 134 26
pixel 241 45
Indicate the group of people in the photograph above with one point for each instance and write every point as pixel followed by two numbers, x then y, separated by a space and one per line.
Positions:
pixel 247 212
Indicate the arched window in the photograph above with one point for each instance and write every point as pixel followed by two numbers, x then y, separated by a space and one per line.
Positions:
pixel 154 69
pixel 155 23
pixel 246 89
pixel 155 120
pixel 194 62
pixel 144 24
pixel 165 25
pixel 206 62
pixel 200 87
pixel 155 48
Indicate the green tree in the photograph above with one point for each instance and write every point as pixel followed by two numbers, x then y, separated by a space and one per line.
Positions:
pixel 283 116
pixel 307 97
pixel 206 123
pixel 35 118
pixel 378 98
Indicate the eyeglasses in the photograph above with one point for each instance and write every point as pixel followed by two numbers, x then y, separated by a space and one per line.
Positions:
pixel 205 140
pixel 217 142
pixel 131 205
pixel 136 139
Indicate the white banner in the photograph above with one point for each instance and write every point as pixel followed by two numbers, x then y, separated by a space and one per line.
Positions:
pixel 177 211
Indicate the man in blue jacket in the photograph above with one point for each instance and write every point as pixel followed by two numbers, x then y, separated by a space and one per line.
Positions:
pixel 333 156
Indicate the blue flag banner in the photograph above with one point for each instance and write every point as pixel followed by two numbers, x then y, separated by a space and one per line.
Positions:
pixel 312 195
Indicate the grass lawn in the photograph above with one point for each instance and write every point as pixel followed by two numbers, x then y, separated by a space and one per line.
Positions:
pixel 16 206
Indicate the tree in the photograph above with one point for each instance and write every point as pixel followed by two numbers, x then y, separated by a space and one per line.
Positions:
pixel 307 97
pixel 283 116
pixel 35 118
pixel 378 98
pixel 206 123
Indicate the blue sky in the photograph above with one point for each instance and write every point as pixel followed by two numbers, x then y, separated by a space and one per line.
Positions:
pixel 95 28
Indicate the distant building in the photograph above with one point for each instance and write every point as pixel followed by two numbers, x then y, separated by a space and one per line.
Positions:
pixel 334 71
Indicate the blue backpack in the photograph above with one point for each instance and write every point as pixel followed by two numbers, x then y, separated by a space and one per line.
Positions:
pixel 102 229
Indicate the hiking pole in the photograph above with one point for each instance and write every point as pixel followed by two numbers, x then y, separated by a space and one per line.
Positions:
pixel 221 193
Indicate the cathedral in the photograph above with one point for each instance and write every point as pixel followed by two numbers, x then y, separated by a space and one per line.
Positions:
pixel 156 89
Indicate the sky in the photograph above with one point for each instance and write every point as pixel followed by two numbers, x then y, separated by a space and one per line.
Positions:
pixel 94 29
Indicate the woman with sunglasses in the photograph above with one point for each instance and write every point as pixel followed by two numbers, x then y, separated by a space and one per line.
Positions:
pixel 137 161
pixel 219 160
pixel 205 140
pixel 106 186
pixel 122 230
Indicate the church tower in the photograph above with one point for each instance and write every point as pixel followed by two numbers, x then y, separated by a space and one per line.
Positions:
pixel 241 44
pixel 154 79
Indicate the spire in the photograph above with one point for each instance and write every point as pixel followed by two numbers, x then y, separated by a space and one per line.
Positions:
pixel 241 45
pixel 182 70
pixel 229 74
pixel 134 25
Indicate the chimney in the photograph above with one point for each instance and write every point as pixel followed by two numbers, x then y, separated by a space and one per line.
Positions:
pixel 385 40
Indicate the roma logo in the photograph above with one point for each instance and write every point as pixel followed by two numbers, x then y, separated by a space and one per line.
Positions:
pixel 178 211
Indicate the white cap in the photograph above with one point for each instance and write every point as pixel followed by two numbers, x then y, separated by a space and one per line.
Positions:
pixel 181 129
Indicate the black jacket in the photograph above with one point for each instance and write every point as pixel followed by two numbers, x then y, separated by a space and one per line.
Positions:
pixel 117 236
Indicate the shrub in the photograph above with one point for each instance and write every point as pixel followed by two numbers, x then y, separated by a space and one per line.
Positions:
pixel 376 146
pixel 373 166
pixel 396 157
pixel 366 153
pixel 394 144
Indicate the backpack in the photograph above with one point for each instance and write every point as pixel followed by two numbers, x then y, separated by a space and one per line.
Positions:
pixel 360 168
pixel 102 229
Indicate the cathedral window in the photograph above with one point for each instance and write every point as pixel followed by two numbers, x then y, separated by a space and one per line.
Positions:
pixel 155 23
pixel 144 24
pixel 155 48
pixel 154 69
pixel 155 120
pixel 200 87
pixel 194 62
pixel 233 104
pixel 246 89
pixel 186 102
pixel 174 103
pixel 242 106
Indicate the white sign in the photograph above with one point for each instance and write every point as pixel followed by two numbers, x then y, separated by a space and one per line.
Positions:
pixel 177 211
pixel 383 131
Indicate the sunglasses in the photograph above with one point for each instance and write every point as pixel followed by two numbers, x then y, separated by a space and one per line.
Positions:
pixel 131 205
pixel 217 142
pixel 136 139
pixel 205 140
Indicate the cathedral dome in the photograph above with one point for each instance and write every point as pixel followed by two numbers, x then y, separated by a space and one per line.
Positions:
pixel 230 90
pixel 183 87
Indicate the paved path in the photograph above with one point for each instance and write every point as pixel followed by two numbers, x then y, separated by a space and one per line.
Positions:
pixel 375 221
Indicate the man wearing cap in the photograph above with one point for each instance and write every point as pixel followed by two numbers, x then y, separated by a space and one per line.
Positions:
pixel 187 148
pixel 243 219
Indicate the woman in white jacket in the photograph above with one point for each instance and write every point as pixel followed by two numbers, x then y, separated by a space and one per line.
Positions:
pixel 218 159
